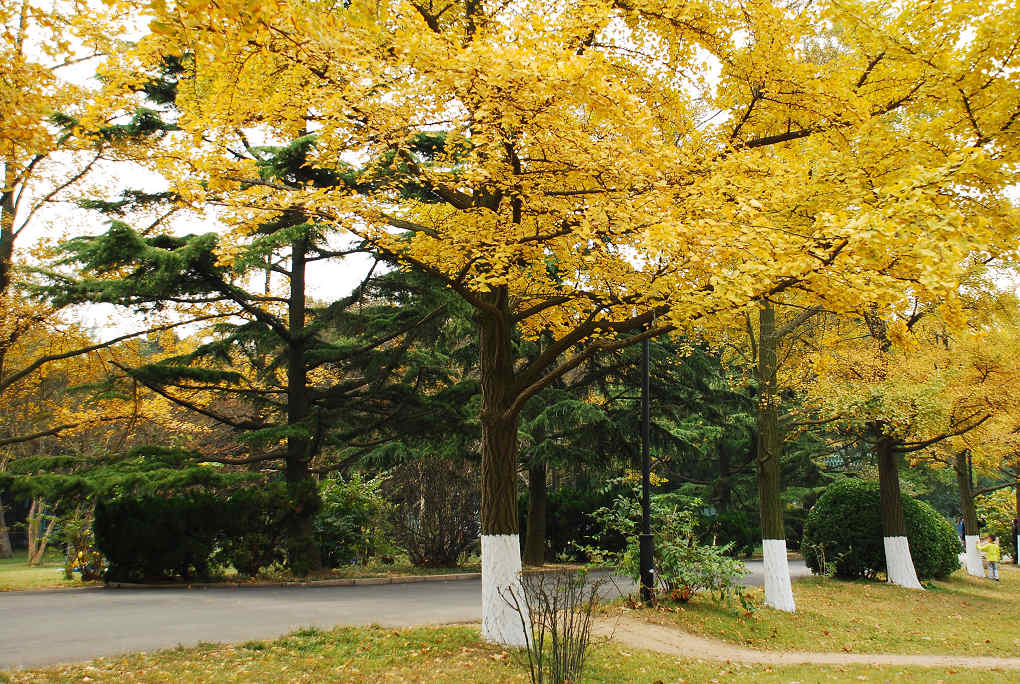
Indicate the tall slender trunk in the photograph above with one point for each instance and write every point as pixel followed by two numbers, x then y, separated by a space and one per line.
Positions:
pixel 898 561
pixel 6 230
pixel 6 551
pixel 970 521
pixel 778 587
pixel 302 551
pixel 534 539
pixel 501 547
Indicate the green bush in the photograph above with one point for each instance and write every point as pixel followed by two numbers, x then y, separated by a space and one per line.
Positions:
pixel 934 546
pixel 153 538
pixel 683 564
pixel 352 524
pixel 184 535
pixel 254 533
pixel 843 534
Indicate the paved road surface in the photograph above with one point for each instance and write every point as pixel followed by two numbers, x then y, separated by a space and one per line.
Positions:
pixel 47 627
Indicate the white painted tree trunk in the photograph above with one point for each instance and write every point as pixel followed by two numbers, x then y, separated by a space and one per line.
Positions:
pixel 778 588
pixel 899 565
pixel 501 575
pixel 973 561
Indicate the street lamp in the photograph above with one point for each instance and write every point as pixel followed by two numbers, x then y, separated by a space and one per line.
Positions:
pixel 646 548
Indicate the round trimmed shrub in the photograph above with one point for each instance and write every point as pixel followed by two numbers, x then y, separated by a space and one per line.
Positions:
pixel 843 533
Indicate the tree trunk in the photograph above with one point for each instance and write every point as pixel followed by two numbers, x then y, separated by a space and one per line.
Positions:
pixel 501 546
pixel 898 562
pixel 38 531
pixel 302 551
pixel 778 587
pixel 6 231
pixel 534 540
pixel 6 551
pixel 970 521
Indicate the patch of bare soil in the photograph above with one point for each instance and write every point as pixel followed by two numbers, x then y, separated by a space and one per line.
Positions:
pixel 679 643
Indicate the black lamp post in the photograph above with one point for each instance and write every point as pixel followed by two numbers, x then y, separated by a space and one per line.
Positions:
pixel 646 548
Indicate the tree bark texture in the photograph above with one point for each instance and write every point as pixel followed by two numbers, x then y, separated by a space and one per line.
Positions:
pixel 970 520
pixel 769 452
pixel 534 540
pixel 501 543
pixel 302 551
pixel 893 522
pixel 898 560
pixel 6 551
pixel 6 232
pixel 770 440
pixel 38 531
pixel 499 430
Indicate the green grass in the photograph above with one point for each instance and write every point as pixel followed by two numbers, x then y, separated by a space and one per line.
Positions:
pixel 958 616
pixel 441 654
pixel 16 574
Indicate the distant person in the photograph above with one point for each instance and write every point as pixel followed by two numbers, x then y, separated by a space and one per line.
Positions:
pixel 992 556
pixel 960 530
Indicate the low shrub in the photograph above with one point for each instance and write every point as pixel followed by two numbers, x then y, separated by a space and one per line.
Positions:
pixel 437 504
pixel 152 538
pixel 352 524
pixel 253 535
pixel 683 564
pixel 185 535
pixel 843 534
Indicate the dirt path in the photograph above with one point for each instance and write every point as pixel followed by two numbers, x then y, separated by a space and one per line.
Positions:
pixel 675 642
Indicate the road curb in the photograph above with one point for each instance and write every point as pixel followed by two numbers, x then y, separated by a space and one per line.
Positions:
pixel 351 582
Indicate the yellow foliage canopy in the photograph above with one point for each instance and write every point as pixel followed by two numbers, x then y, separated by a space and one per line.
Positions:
pixel 613 156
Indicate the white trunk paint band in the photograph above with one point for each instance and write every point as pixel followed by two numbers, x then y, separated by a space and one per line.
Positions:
pixel 778 588
pixel 501 575
pixel 899 565
pixel 973 557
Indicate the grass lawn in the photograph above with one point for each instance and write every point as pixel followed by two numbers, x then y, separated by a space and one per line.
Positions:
pixel 17 574
pixel 440 654
pixel 959 616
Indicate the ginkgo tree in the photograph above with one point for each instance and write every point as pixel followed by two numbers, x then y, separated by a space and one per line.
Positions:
pixel 927 386
pixel 981 360
pixel 604 163
pixel 764 337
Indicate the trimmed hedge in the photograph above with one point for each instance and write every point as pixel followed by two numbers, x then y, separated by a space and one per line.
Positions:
pixel 844 529
pixel 185 535
pixel 153 538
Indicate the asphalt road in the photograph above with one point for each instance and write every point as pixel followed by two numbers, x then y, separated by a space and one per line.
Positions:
pixel 47 627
